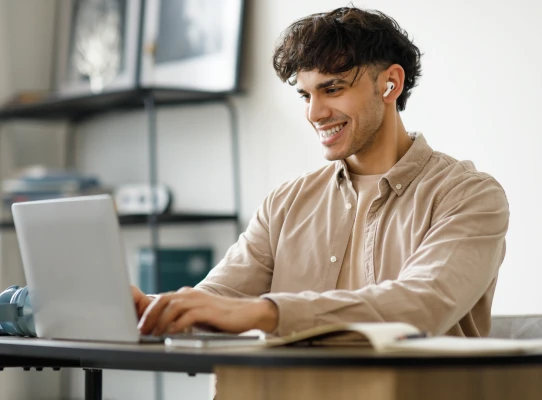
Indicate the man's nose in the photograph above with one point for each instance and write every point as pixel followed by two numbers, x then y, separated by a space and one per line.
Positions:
pixel 317 110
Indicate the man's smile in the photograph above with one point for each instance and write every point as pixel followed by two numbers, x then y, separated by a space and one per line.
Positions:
pixel 330 133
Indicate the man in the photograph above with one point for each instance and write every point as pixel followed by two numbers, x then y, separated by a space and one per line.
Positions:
pixel 390 231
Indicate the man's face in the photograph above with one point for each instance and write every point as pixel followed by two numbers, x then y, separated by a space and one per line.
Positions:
pixel 345 113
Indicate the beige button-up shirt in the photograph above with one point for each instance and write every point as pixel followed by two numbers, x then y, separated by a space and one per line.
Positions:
pixel 434 242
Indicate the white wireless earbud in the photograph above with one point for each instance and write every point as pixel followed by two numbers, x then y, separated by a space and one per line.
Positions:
pixel 391 86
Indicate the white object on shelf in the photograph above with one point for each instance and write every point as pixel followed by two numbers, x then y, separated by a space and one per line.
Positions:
pixel 137 199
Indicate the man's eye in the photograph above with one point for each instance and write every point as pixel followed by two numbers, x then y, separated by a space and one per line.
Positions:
pixel 332 90
pixel 305 97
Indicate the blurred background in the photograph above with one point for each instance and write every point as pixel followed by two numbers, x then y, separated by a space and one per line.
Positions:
pixel 477 100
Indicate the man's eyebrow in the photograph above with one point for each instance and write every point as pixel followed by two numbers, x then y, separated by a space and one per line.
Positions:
pixel 326 84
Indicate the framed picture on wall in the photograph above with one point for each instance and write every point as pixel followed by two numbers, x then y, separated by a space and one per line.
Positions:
pixel 192 44
pixel 97 45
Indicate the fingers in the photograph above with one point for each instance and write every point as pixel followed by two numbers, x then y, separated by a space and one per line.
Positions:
pixel 140 308
pixel 174 310
pixel 202 315
pixel 141 301
pixel 166 308
pixel 152 313
pixel 136 292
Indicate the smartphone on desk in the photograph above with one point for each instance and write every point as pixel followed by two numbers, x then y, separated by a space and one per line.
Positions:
pixel 213 340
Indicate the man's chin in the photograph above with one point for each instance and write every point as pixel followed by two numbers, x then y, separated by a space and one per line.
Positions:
pixel 332 155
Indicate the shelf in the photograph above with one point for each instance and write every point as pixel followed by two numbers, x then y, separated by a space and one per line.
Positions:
pixel 165 219
pixel 171 219
pixel 81 107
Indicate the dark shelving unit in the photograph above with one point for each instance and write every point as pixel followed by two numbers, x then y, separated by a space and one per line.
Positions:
pixel 79 108
pixel 163 219
pixel 76 109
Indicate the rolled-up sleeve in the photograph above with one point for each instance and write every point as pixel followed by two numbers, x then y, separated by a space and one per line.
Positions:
pixel 456 262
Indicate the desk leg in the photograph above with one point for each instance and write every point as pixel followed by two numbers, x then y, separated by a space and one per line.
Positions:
pixel 93 384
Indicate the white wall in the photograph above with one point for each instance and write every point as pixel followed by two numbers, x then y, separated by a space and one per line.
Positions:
pixel 25 42
pixel 5 72
pixel 477 100
pixel 5 84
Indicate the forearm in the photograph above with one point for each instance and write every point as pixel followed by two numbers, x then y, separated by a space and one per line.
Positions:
pixel 392 301
pixel 431 304
pixel 211 287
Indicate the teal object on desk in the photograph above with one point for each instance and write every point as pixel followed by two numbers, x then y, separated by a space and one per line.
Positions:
pixel 177 267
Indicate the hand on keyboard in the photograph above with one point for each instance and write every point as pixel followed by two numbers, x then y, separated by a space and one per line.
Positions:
pixel 175 312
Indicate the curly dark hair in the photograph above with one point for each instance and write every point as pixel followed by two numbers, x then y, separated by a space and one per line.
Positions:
pixel 347 38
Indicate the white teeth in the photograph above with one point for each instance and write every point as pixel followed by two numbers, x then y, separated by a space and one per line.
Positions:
pixel 330 132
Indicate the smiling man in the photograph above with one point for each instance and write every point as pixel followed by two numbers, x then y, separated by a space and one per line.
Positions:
pixel 390 230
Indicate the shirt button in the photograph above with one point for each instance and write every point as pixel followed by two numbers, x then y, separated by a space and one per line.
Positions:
pixel 348 206
pixel 333 258
pixel 398 186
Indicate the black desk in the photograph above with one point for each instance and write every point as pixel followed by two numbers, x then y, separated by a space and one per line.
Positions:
pixel 296 373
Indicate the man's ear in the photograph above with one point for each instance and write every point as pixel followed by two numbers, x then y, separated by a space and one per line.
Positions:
pixel 394 80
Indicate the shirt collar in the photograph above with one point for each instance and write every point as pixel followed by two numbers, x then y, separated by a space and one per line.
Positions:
pixel 341 172
pixel 401 175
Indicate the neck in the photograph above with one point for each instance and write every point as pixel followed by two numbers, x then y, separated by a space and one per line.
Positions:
pixel 390 144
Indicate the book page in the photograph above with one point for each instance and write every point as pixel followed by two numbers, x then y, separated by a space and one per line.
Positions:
pixel 376 334
pixel 381 335
pixel 449 345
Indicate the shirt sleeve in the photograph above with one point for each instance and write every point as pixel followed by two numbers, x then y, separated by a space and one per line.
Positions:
pixel 439 283
pixel 247 268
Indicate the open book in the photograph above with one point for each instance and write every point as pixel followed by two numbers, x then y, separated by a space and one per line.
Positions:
pixel 386 337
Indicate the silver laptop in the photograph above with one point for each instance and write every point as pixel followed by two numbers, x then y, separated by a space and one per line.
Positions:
pixel 75 267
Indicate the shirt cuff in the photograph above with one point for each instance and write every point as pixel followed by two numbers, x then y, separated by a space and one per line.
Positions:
pixel 295 314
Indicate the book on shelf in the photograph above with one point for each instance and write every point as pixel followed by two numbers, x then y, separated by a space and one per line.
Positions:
pixel 42 183
pixel 387 337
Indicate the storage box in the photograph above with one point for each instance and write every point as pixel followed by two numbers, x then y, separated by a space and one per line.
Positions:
pixel 177 267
